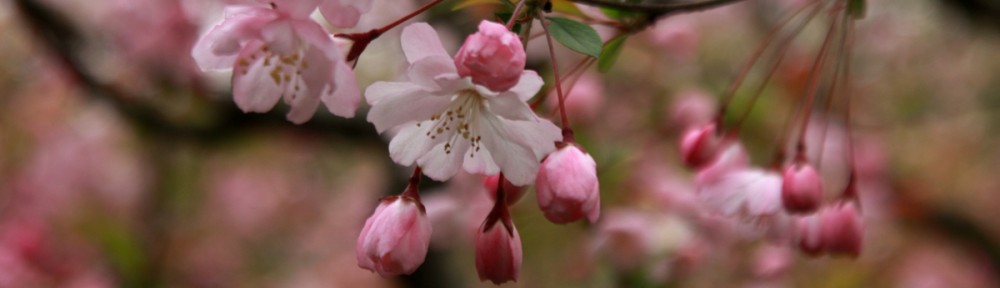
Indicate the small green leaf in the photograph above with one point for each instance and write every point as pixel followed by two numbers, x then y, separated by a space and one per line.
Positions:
pixel 575 35
pixel 856 8
pixel 469 3
pixel 610 54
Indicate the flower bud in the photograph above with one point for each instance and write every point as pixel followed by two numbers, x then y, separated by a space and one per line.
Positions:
pixel 809 239
pixel 514 193
pixel 567 188
pixel 801 188
pixel 701 146
pixel 842 230
pixel 498 251
pixel 395 238
pixel 493 57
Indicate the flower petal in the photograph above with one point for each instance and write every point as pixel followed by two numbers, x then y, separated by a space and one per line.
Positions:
pixel 393 111
pixel 253 88
pixel 528 86
pixel 510 107
pixel 441 164
pixel 517 162
pixel 425 72
pixel 345 99
pixel 410 143
pixel 344 13
pixel 379 91
pixel 218 49
pixel 419 41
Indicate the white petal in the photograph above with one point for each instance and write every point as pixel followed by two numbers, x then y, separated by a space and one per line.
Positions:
pixel 441 165
pixel 510 107
pixel 400 109
pixel 419 41
pixel 345 99
pixel 379 91
pixel 424 72
pixel 410 143
pixel 517 162
pixel 481 163
pixel 528 86
pixel 540 135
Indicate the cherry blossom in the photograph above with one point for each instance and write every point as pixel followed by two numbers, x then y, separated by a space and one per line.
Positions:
pixel 448 122
pixel 280 53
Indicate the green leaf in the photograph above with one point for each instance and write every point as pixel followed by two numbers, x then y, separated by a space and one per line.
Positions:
pixel 566 7
pixel 610 53
pixel 469 3
pixel 575 35
pixel 856 8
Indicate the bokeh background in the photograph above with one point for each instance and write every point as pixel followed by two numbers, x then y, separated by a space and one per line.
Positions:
pixel 123 165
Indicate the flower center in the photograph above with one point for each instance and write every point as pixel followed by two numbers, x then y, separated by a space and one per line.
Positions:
pixel 282 69
pixel 457 121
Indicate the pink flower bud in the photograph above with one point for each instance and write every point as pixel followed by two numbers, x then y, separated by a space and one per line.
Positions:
pixel 701 146
pixel 395 238
pixel 809 239
pixel 514 193
pixel 498 251
pixel 801 188
pixel 493 57
pixel 567 187
pixel 842 229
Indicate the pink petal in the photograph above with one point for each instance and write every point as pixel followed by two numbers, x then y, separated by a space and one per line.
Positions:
pixel 345 99
pixel 253 88
pixel 344 13
pixel 528 86
pixel 425 72
pixel 419 41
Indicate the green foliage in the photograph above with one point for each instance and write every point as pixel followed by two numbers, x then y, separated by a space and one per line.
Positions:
pixel 575 35
pixel 609 55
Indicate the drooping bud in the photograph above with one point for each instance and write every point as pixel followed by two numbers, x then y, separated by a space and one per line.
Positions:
pixel 498 246
pixel 493 57
pixel 567 187
pixel 842 229
pixel 701 146
pixel 801 188
pixel 809 239
pixel 514 193
pixel 395 238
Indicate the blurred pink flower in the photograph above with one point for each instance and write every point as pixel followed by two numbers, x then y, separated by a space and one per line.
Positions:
pixel 492 57
pixel 280 53
pixel 583 101
pixel 450 123
pixel 344 13
pixel 567 187
pixel 395 238
pixel 690 109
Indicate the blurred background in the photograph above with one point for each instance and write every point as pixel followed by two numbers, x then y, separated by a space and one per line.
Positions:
pixel 123 165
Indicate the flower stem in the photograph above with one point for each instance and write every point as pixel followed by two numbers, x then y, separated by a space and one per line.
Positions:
pixel 361 40
pixel 555 73
pixel 513 16
pixel 731 91
pixel 412 187
pixel 814 77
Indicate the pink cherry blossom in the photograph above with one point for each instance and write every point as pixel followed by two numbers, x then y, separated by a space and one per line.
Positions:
pixel 567 188
pixel 395 238
pixel 750 195
pixel 447 122
pixel 493 57
pixel 280 53
pixel 344 13
pixel 801 188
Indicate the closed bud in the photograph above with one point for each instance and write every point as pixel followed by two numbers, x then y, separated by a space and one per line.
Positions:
pixel 701 146
pixel 801 188
pixel 493 57
pixel 567 188
pixel 395 238
pixel 842 229
pixel 498 248
pixel 808 233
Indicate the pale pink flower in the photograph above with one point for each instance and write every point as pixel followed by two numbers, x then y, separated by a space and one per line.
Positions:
pixel 801 188
pixel 493 57
pixel 567 188
pixel 395 238
pixel 732 158
pixel 498 251
pixel 344 13
pixel 447 122
pixel 690 109
pixel 750 195
pixel 584 100
pixel 280 53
